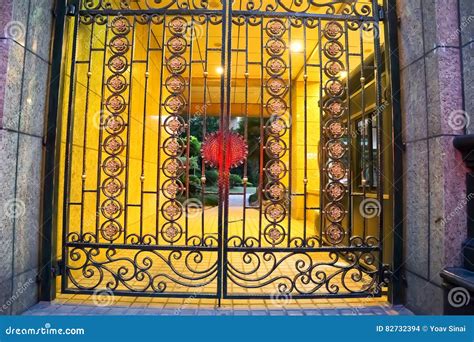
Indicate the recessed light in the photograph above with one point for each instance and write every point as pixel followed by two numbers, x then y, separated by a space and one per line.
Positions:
pixel 296 46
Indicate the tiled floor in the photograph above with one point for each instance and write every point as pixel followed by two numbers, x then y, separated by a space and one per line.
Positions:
pixel 84 305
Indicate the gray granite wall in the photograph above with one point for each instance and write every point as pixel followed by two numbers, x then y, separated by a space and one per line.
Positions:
pixel 467 46
pixel 433 113
pixel 25 39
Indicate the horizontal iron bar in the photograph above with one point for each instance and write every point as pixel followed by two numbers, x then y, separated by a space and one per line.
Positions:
pixel 365 294
pixel 146 294
pixel 184 12
pixel 230 249
pixel 142 247
pixel 302 249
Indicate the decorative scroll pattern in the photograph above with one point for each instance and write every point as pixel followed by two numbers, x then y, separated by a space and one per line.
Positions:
pixel 334 135
pixel 140 271
pixel 275 192
pixel 173 146
pixel 323 273
pixel 331 7
pixel 113 127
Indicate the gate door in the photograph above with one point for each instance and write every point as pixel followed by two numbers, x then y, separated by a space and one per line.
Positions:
pixel 224 150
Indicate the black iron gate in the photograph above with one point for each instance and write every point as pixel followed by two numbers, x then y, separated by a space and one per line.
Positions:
pixel 297 83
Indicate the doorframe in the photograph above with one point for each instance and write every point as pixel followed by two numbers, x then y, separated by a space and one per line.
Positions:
pixel 397 293
pixel 48 229
pixel 49 225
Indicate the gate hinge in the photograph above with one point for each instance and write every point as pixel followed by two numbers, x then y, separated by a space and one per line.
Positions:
pixel 57 268
pixel 387 274
pixel 381 11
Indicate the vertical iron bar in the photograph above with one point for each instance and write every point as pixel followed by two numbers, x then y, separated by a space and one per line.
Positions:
pixel 321 150
pixel 349 128
pixel 221 289
pixel 188 130
pixel 291 119
pixel 227 115
pixel 262 139
pixel 378 80
pixel 204 130
pixel 305 151
pixel 68 156
pixel 101 134
pixel 246 122
pixel 129 122
pixel 142 175
pixel 364 129
pixel 160 112
pixel 84 140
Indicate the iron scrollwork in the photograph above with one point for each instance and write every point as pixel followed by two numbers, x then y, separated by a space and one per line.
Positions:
pixel 171 262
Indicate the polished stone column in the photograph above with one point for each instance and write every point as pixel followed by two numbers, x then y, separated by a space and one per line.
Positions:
pixel 432 114
pixel 25 38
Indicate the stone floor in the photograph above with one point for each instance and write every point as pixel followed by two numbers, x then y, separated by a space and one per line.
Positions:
pixel 80 305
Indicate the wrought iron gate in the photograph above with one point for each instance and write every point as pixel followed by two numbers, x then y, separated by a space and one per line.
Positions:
pixel 137 218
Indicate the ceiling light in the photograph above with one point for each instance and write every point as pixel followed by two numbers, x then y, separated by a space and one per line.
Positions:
pixel 220 70
pixel 296 47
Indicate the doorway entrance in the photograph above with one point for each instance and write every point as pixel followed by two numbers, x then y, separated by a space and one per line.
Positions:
pixel 226 150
